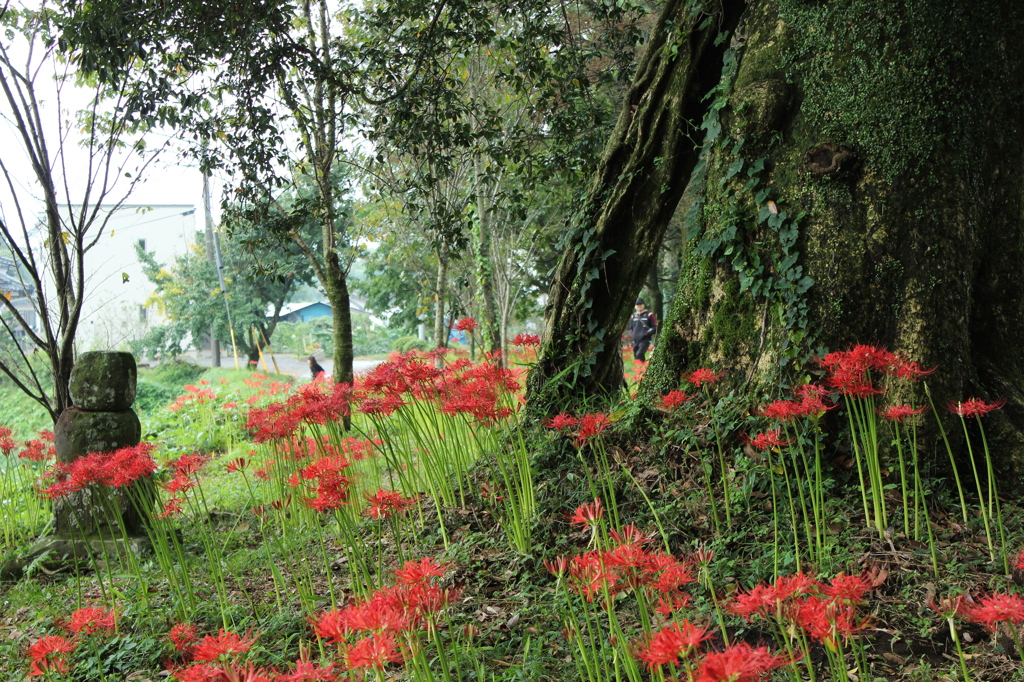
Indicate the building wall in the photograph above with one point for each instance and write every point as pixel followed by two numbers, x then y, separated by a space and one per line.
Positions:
pixel 114 310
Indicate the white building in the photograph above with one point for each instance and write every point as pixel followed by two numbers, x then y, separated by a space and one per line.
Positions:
pixel 115 309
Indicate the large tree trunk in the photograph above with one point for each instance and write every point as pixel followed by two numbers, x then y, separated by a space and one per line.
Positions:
pixel 616 234
pixel 862 188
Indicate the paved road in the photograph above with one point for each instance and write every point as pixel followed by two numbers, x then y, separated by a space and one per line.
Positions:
pixel 287 364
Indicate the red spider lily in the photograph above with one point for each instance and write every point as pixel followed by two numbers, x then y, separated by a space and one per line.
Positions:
pixel 847 588
pixel 672 602
pixel 7 443
pixel 387 503
pixel 237 464
pixel 588 514
pixel 189 465
pixel 908 369
pixel 466 324
pixel 561 421
pixel 673 399
pixel 224 672
pixel 948 606
pixel 326 479
pixel 782 410
pixel 590 576
pixel 88 620
pixel 171 508
pixel 668 645
pixel 767 440
pixel 49 654
pixel 375 651
pixel 183 637
pixel 307 671
pixel 812 400
pixel 37 451
pixel 558 566
pixel 591 425
pixel 828 621
pixel 526 340
pixel 974 407
pixel 211 648
pixel 852 382
pixel 1020 562
pixel 702 376
pixel 739 663
pixel 417 572
pixel 997 608
pixel 331 626
pixel 897 413
pixel 765 600
pixel 629 534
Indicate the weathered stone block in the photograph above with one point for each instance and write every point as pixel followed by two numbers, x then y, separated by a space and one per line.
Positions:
pixel 103 381
pixel 79 432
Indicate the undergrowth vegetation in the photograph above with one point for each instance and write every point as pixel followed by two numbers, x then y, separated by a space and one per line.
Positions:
pixel 419 526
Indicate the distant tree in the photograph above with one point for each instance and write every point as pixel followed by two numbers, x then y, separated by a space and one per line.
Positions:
pixel 81 159
pixel 188 293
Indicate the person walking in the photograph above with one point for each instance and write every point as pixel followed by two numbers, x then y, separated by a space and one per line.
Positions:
pixel 314 367
pixel 642 327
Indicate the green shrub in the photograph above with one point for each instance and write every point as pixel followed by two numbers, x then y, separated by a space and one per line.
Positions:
pixel 151 396
pixel 405 344
pixel 175 373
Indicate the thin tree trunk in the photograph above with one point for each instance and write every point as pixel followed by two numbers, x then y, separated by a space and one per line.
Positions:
pixel 440 293
pixel 614 238
pixel 484 264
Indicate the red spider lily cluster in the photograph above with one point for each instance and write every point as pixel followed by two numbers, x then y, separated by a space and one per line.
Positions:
pixel 767 440
pixel 114 469
pixel 628 565
pixel 810 402
pixel 526 340
pixel 381 629
pixel 217 658
pixel 738 663
pixel 852 372
pixel 185 468
pixel 325 483
pixel 315 403
pixel 193 395
pixel 585 428
pixel 992 610
pixel 49 654
pixel 7 444
pixel 461 387
pixel 900 413
pixel 827 612
pixel 39 450
pixel 387 503
pixel 466 324
pixel 974 407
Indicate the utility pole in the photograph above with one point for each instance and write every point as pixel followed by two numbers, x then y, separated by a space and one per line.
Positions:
pixel 210 257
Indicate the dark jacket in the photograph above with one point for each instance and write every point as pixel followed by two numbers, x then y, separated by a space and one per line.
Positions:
pixel 642 326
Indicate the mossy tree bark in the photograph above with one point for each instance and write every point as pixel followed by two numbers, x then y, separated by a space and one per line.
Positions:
pixel 863 187
pixel 615 235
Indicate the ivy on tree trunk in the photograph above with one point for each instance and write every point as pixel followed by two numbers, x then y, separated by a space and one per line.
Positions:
pixel 616 233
